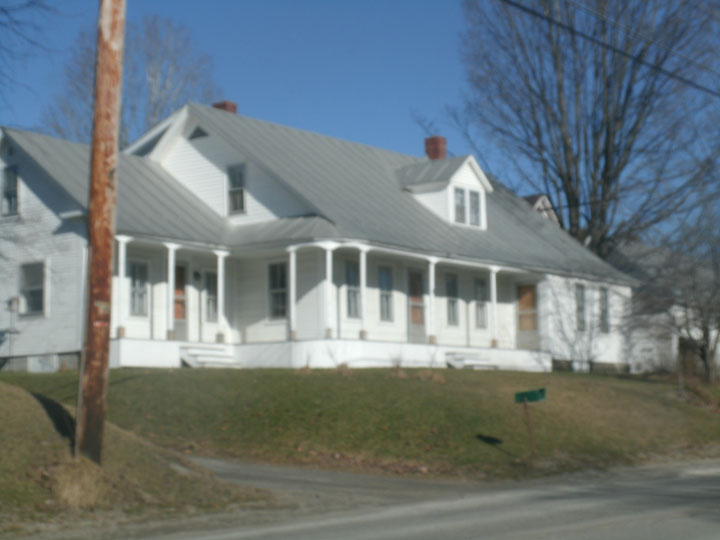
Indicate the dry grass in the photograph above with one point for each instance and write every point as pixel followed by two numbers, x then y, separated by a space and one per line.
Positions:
pixel 42 481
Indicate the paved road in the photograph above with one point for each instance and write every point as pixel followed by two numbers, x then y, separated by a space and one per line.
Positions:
pixel 664 502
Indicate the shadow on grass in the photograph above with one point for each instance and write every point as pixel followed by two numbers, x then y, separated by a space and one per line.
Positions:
pixel 62 421
pixel 494 442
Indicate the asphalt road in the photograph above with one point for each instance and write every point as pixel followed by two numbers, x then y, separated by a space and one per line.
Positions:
pixel 663 502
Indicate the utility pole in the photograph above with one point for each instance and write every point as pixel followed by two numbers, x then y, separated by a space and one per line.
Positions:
pixel 101 228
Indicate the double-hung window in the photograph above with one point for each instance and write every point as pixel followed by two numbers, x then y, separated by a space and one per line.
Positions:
pixel 580 306
pixel 138 289
pixel 32 288
pixel 459 205
pixel 475 208
pixel 481 298
pixel 277 281
pixel 211 297
pixel 604 311
pixel 9 203
pixel 236 189
pixel 352 282
pixel 385 284
pixel 451 292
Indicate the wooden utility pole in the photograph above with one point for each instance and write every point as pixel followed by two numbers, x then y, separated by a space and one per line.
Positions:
pixel 101 228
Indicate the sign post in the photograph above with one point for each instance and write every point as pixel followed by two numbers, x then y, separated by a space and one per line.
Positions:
pixel 525 398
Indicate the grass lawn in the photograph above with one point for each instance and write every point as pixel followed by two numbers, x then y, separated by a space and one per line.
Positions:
pixel 41 482
pixel 443 422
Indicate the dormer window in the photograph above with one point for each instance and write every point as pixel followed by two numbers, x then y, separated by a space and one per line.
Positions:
pixel 459 205
pixel 236 189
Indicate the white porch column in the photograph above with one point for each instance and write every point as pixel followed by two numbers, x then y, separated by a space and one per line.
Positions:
pixel 430 320
pixel 122 297
pixel 363 289
pixel 222 319
pixel 170 307
pixel 292 293
pixel 493 306
pixel 329 248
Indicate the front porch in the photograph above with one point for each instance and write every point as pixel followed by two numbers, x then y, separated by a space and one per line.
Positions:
pixel 321 304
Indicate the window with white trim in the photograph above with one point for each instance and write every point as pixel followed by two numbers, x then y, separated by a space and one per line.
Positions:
pixel 32 288
pixel 580 306
pixel 459 205
pixel 475 208
pixel 211 296
pixel 604 310
pixel 451 292
pixel 9 203
pixel 385 284
pixel 138 272
pixel 277 282
pixel 481 299
pixel 236 189
pixel 352 283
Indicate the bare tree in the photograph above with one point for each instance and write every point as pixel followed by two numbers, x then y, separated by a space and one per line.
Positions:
pixel 19 29
pixel 162 71
pixel 599 103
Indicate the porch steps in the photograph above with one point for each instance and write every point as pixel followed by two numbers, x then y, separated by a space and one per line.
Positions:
pixel 469 360
pixel 198 355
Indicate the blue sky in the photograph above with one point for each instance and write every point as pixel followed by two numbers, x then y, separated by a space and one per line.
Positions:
pixel 354 69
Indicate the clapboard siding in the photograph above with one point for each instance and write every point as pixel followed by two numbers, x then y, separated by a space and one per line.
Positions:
pixel 201 165
pixel 38 234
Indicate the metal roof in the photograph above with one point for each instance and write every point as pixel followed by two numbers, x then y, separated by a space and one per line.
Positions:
pixel 355 186
pixel 356 192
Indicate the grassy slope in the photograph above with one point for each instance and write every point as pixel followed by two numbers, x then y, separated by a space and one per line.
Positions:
pixel 400 421
pixel 41 481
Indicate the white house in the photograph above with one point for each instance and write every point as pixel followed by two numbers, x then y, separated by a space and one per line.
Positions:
pixel 245 243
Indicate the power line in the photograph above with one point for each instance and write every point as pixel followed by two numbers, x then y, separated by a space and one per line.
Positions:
pixel 601 43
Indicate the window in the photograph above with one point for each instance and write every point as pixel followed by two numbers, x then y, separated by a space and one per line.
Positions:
pixel 604 311
pixel 475 208
pixel 32 288
pixel 138 289
pixel 459 205
pixel 481 298
pixel 211 298
pixel 277 280
pixel 236 189
pixel 9 192
pixel 580 306
pixel 352 281
pixel 385 284
pixel 451 291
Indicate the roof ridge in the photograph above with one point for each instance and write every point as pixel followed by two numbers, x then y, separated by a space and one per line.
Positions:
pixel 277 125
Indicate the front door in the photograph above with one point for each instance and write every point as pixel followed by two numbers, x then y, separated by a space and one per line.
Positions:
pixel 527 323
pixel 180 304
pixel 416 307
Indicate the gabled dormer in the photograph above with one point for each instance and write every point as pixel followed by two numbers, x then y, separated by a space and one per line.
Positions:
pixel 213 165
pixel 454 188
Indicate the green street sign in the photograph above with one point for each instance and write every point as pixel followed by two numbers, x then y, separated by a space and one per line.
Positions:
pixel 530 396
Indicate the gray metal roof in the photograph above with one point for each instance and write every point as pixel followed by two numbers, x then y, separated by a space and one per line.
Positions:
pixel 429 172
pixel 356 192
pixel 149 200
pixel 355 186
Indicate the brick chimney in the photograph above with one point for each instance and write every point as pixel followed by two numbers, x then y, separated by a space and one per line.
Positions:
pixel 435 147
pixel 229 106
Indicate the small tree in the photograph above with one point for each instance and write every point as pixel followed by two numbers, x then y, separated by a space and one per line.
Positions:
pixel 162 71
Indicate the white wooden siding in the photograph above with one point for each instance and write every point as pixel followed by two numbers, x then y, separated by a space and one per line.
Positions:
pixel 201 165
pixel 39 234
